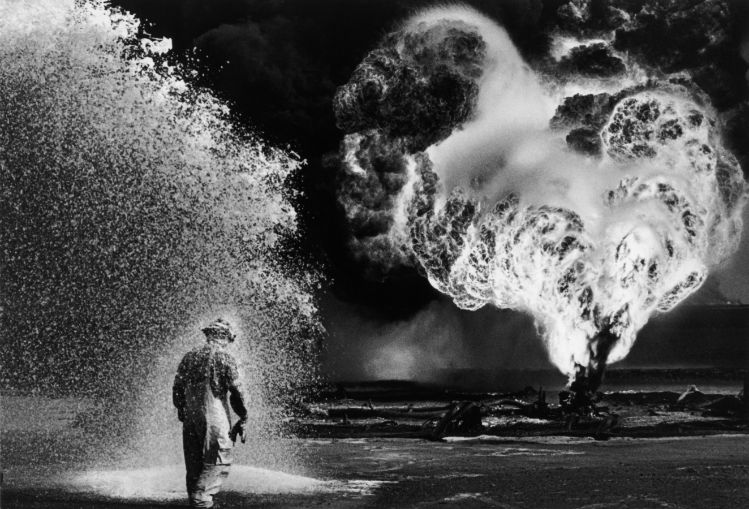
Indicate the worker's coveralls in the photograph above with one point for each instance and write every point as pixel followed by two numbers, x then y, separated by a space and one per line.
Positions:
pixel 207 379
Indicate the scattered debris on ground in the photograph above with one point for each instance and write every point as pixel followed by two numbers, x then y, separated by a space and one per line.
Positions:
pixel 409 412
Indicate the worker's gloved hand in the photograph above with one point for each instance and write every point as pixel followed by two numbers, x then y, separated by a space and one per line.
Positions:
pixel 238 430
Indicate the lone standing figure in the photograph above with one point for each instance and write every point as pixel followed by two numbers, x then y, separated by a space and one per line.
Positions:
pixel 207 382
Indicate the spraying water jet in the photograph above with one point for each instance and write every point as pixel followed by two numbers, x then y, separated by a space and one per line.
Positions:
pixel 133 206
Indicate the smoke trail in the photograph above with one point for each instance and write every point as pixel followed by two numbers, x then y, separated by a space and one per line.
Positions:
pixel 134 211
pixel 615 214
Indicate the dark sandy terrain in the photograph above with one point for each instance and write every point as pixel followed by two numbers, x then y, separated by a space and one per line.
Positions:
pixel 657 408
pixel 368 452
pixel 695 472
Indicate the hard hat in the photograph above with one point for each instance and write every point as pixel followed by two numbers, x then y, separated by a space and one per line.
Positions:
pixel 219 328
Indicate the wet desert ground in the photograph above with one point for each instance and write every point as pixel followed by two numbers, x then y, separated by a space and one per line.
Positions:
pixel 659 456
pixel 693 472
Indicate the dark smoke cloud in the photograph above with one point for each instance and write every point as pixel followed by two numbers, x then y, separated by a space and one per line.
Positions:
pixel 369 184
pixel 699 36
pixel 280 63
pixel 416 85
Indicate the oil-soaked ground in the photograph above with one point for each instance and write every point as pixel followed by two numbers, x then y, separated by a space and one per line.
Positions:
pixel 695 472
pixel 662 453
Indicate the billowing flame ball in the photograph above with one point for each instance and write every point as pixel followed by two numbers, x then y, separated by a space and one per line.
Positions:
pixel 456 162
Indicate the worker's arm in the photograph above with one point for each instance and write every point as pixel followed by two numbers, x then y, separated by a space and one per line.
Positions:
pixel 178 391
pixel 237 397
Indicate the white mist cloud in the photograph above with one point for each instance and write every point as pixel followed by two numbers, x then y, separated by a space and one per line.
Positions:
pixel 733 275
pixel 438 339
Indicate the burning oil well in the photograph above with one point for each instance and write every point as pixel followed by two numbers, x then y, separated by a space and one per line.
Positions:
pixel 591 200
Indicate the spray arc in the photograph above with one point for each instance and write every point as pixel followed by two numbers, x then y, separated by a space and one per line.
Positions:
pixel 134 209
pixel 463 149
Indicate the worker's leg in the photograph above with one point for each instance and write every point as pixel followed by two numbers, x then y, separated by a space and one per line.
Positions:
pixel 212 476
pixel 192 445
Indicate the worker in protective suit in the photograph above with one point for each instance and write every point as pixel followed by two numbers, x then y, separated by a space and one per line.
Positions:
pixel 207 382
